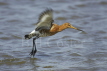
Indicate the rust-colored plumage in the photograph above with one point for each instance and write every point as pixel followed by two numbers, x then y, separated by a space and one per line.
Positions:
pixel 46 27
pixel 57 28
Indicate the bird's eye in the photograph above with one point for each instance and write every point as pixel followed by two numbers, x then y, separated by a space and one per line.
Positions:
pixel 69 25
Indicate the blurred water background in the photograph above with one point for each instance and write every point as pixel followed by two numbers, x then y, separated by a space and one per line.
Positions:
pixel 69 50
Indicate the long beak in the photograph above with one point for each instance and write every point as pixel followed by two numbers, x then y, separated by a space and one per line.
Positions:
pixel 76 28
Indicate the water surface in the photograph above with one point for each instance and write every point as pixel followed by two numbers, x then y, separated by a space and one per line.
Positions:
pixel 69 50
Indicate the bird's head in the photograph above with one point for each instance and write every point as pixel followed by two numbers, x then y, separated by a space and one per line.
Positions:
pixel 68 25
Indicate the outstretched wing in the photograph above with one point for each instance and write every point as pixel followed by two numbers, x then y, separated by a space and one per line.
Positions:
pixel 45 20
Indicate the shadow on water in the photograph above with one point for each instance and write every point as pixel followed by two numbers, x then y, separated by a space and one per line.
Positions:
pixel 19 62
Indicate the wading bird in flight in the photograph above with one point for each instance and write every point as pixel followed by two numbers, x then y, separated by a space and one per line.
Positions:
pixel 45 27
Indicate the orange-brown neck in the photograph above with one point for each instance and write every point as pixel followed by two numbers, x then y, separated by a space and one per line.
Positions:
pixel 57 28
pixel 62 27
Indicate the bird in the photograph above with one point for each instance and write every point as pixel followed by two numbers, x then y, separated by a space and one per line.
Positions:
pixel 45 27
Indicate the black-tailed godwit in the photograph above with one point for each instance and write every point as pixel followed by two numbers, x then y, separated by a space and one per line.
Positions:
pixel 46 27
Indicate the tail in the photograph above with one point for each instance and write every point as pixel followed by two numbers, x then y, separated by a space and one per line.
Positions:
pixel 32 34
pixel 28 36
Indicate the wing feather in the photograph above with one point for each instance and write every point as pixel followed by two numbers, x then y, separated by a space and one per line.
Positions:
pixel 45 20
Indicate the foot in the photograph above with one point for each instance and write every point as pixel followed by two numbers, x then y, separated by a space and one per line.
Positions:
pixel 32 53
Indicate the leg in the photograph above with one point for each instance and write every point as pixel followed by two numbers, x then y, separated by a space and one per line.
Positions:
pixel 34 50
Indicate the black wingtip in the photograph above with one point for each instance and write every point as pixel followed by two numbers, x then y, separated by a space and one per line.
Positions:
pixel 47 11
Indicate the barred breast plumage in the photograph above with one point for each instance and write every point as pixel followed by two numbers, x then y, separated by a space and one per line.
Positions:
pixel 45 33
